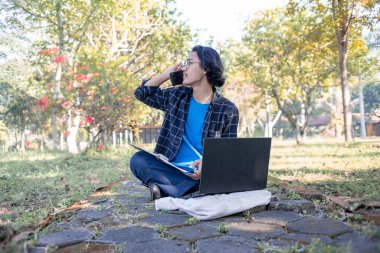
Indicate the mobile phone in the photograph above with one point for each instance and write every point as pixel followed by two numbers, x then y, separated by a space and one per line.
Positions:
pixel 176 77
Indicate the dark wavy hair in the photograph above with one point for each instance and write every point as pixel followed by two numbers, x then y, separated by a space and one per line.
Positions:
pixel 212 64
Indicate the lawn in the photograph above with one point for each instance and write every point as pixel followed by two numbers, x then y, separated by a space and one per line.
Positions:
pixel 335 168
pixel 34 185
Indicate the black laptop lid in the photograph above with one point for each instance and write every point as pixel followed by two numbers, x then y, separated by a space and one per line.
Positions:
pixel 234 164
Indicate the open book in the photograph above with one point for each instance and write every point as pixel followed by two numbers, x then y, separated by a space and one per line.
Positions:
pixel 165 160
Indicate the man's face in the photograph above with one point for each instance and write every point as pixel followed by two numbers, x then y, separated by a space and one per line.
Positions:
pixel 192 70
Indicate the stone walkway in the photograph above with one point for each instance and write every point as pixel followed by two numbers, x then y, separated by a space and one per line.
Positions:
pixel 124 220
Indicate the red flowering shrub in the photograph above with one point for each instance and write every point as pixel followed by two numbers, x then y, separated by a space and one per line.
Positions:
pixel 49 51
pixel 66 104
pixel 60 58
pixel 89 119
pixel 43 102
pixel 101 147
pixel 83 78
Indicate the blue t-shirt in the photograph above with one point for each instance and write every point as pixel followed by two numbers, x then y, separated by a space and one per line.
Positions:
pixel 191 146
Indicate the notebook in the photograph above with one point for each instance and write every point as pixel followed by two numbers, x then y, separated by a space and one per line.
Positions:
pixel 164 159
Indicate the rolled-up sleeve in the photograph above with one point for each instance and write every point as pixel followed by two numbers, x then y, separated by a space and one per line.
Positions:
pixel 153 96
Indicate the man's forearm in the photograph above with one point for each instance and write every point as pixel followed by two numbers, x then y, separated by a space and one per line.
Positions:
pixel 158 80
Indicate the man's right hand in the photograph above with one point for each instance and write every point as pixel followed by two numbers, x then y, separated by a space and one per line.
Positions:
pixel 164 76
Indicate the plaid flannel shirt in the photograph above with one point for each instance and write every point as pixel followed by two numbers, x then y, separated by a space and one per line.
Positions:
pixel 222 116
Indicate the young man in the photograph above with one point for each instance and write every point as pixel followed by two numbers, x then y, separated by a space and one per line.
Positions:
pixel 193 111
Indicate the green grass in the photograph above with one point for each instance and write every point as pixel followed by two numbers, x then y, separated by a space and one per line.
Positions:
pixel 35 184
pixel 351 170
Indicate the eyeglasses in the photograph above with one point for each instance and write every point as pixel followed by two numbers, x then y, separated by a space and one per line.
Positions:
pixel 186 64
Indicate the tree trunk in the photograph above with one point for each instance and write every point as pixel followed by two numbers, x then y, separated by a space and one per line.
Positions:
pixel 58 73
pixel 22 147
pixel 301 125
pixel 42 138
pixel 72 137
pixel 361 104
pixel 347 116
pixel 54 123
pixel 268 123
pixel 342 39
pixel 113 139
pixel 61 141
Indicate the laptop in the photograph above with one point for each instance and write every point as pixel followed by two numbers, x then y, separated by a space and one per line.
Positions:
pixel 234 165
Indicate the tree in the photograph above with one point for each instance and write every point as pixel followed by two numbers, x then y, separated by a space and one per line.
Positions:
pixel 240 88
pixel 21 113
pixel 96 53
pixel 346 17
pixel 58 19
pixel 289 58
pixel 362 67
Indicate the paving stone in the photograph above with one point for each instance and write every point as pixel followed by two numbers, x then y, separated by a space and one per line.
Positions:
pixel 87 247
pixel 194 232
pixel 226 244
pixel 298 206
pixel 158 246
pixel 63 238
pixel 91 215
pixel 307 238
pixel 278 245
pixel 166 219
pixel 255 230
pixel 68 225
pixel 278 196
pixel 280 218
pixel 38 250
pixel 265 227
pixel 106 223
pixel 257 209
pixel 128 235
pixel 319 226
pixel 122 201
pixel 135 208
pixel 357 243
pixel 225 220
pixel 133 186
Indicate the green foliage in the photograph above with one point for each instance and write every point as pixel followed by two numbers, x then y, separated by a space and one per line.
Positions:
pixel 289 56
pixel 19 109
pixel 221 228
pixel 371 94
pixel 192 221
pixel 163 232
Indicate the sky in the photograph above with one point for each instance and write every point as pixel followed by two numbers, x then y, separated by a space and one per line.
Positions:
pixel 222 19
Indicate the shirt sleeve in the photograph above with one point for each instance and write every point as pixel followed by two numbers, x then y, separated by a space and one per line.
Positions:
pixel 153 96
pixel 231 122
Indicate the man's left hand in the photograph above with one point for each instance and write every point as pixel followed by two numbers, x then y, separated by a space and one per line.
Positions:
pixel 197 165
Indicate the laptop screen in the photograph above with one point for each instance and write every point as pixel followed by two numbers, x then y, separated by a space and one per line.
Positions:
pixel 234 164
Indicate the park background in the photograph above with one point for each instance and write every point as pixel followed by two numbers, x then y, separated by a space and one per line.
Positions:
pixel 305 73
